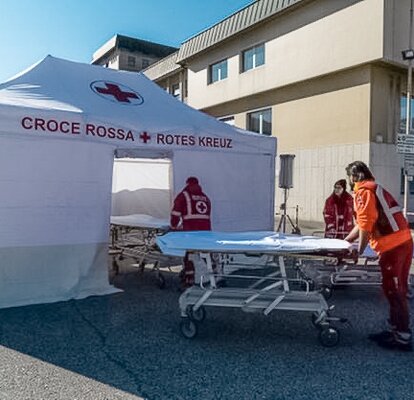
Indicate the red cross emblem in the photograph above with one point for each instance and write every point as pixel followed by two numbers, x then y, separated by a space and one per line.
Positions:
pixel 116 93
pixel 201 207
pixel 145 137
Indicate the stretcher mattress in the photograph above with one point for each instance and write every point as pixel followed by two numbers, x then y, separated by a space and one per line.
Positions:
pixel 140 221
pixel 177 243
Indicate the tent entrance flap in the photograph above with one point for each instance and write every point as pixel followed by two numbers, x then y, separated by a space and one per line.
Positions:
pixel 142 186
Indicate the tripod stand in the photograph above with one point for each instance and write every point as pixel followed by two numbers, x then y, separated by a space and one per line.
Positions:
pixel 285 216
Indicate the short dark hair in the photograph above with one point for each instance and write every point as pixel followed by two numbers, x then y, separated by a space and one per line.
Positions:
pixel 360 171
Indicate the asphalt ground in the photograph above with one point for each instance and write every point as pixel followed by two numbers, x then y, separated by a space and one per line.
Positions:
pixel 128 346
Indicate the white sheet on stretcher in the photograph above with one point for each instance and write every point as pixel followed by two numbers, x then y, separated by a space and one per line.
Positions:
pixel 140 221
pixel 177 243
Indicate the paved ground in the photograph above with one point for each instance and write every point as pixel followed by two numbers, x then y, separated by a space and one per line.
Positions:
pixel 128 346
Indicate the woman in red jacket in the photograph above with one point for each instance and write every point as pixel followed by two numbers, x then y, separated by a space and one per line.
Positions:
pixel 338 212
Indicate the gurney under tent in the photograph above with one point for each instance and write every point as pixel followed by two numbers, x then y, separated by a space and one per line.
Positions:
pixel 61 125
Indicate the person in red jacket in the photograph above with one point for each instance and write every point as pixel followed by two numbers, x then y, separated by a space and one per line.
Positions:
pixel 380 222
pixel 338 212
pixel 192 208
pixel 191 212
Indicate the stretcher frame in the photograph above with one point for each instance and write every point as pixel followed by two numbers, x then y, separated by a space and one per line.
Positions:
pixel 138 243
pixel 326 275
pixel 275 294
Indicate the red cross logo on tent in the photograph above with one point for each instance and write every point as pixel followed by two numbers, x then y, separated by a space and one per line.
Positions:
pixel 201 207
pixel 145 137
pixel 117 93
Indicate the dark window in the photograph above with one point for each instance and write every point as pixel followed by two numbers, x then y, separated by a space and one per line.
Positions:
pixel 218 71
pixel 254 57
pixel 410 183
pixel 131 61
pixel 175 90
pixel 145 63
pixel 227 120
pixel 260 121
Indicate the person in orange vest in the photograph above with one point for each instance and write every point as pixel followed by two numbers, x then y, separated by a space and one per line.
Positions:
pixel 381 222
pixel 191 212
pixel 338 212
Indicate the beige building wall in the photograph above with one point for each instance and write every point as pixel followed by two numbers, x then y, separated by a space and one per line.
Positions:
pixel 333 78
pixel 298 46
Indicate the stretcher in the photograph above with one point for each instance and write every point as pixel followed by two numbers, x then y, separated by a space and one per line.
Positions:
pixel 325 275
pixel 249 253
pixel 134 237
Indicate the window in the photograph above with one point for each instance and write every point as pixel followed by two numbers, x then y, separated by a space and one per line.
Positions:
pixel 145 63
pixel 131 61
pixel 403 113
pixel 410 183
pixel 227 120
pixel 253 57
pixel 218 71
pixel 175 90
pixel 260 121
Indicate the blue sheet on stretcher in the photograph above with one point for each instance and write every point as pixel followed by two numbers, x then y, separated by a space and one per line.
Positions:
pixel 178 243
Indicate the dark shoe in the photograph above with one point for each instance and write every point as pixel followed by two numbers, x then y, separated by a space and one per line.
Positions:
pixel 393 344
pixel 375 337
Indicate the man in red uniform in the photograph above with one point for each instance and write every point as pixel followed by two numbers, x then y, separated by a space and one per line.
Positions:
pixel 192 208
pixel 381 222
pixel 338 212
pixel 191 212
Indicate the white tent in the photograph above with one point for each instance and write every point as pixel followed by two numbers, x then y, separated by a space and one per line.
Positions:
pixel 61 124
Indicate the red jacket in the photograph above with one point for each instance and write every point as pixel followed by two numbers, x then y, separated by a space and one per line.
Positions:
pixel 338 215
pixel 192 208
pixel 378 213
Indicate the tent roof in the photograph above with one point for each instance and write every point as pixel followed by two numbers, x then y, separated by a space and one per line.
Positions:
pixel 90 97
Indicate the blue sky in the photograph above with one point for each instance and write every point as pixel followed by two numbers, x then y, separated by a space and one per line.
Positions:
pixel 74 29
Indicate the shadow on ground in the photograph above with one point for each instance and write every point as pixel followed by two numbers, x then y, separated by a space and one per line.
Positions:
pixel 130 341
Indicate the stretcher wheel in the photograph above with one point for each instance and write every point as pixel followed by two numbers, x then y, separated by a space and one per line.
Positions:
pixel 326 291
pixel 161 281
pixel 188 328
pixel 328 336
pixel 198 315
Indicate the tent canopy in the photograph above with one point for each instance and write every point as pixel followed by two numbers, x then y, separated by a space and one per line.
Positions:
pixel 61 123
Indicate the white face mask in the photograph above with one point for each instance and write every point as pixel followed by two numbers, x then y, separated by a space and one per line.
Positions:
pixel 338 190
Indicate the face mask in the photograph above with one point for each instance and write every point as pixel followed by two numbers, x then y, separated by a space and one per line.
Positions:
pixel 338 190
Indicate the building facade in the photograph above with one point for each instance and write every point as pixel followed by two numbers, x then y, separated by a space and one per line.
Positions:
pixel 130 54
pixel 325 77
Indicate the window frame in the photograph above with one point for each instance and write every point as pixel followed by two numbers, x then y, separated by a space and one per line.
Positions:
pixel 210 71
pixel 145 61
pixel 174 87
pixel 131 61
pixel 402 184
pixel 255 66
pixel 229 119
pixel 261 125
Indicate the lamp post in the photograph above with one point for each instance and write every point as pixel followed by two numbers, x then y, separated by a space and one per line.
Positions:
pixel 408 55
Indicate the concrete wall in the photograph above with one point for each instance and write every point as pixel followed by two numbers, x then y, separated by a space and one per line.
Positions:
pixel 396 29
pixel 315 172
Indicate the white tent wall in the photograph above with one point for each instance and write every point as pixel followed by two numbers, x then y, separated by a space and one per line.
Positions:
pixel 141 186
pixel 54 208
pixel 233 207
pixel 61 124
